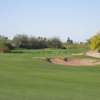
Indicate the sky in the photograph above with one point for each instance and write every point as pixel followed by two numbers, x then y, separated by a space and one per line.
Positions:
pixel 77 19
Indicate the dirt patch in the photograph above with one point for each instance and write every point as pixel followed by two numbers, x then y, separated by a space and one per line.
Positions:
pixel 75 61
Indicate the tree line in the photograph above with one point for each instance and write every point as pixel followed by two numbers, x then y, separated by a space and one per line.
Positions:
pixel 23 41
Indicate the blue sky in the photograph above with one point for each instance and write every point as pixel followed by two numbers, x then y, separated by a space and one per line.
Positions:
pixel 78 19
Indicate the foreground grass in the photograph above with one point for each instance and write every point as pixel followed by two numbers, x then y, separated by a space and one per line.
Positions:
pixel 24 78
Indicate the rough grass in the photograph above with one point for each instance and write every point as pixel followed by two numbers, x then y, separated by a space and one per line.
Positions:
pixel 24 78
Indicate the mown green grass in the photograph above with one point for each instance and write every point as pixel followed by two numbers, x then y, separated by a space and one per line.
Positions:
pixel 24 78
pixel 50 52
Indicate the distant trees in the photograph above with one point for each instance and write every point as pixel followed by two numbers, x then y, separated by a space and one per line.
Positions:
pixel 54 43
pixel 37 43
pixel 72 44
pixel 5 45
pixel 23 41
pixel 69 41
pixel 20 41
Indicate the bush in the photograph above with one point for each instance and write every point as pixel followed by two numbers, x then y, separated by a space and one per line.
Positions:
pixel 65 59
pixel 94 42
pixel 54 43
pixel 3 44
pixel 48 59
pixel 98 50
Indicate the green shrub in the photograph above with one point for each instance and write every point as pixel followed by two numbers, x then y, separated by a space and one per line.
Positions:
pixel 48 59
pixel 65 59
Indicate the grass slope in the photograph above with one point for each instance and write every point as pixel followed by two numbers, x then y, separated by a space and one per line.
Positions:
pixel 22 78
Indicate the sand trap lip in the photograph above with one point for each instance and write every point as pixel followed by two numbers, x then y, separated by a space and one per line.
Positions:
pixel 75 61
pixel 93 54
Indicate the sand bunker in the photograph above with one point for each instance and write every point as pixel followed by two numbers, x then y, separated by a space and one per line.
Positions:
pixel 93 54
pixel 75 61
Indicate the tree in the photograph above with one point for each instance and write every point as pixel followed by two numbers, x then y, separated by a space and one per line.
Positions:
pixel 4 44
pixel 54 43
pixel 94 42
pixel 69 41
pixel 21 41
pixel 37 43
